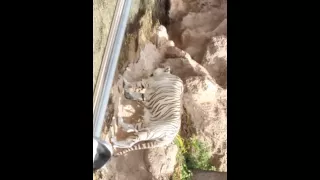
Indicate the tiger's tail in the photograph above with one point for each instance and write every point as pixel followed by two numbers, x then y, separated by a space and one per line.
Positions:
pixel 144 145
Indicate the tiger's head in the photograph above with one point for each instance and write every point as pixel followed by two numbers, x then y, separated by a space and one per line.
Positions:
pixel 160 71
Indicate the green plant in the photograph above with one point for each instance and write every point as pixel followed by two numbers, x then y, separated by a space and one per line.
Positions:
pixel 192 154
pixel 198 155
pixel 181 171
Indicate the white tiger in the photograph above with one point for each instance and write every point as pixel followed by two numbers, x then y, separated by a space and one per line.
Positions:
pixel 162 117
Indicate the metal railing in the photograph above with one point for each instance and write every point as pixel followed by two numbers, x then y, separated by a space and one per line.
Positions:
pixel 109 64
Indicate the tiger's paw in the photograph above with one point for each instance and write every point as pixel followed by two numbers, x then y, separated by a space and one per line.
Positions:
pixel 127 95
pixel 113 139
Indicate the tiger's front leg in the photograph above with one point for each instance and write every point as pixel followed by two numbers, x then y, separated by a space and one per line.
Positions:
pixel 135 96
pixel 129 88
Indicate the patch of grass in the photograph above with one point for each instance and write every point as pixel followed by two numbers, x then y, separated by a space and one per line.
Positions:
pixel 192 154
pixel 198 155
pixel 181 171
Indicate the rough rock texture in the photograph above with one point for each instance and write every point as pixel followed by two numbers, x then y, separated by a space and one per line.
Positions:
pixel 126 167
pixel 199 30
pixel 194 22
pixel 208 175
pixel 215 59
pixel 205 102
pixel 182 65
pixel 161 161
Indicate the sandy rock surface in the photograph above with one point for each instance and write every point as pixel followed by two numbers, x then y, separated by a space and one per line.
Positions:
pixel 195 22
pixel 206 175
pixel 215 59
pixel 161 161
pixel 205 102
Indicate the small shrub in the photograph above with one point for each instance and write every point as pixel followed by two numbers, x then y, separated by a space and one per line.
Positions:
pixel 192 154
pixel 198 155
pixel 181 171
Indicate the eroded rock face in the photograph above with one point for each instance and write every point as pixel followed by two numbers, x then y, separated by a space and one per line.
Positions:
pixel 194 22
pixel 200 28
pixel 128 167
pixel 182 65
pixel 215 60
pixel 206 175
pixel 161 161
pixel 205 102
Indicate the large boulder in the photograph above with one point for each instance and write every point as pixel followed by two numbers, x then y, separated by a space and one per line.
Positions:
pixel 205 102
pixel 161 161
pixel 215 59
pixel 194 22
pixel 183 65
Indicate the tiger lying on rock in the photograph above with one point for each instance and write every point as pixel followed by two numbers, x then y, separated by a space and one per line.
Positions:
pixel 162 101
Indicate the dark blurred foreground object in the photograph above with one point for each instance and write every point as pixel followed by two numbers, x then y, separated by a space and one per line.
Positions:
pixel 208 175
pixel 102 152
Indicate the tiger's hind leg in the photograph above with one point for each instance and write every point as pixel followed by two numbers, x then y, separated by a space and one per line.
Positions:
pixel 130 141
pixel 129 92
pixel 127 127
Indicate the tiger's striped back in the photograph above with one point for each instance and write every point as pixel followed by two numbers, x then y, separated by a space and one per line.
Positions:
pixel 163 104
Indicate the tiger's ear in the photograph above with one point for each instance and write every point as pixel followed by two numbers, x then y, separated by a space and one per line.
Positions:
pixel 167 69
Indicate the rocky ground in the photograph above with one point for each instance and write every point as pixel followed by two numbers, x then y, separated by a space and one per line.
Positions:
pixel 193 43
